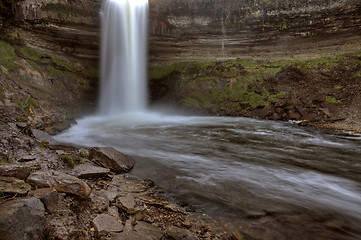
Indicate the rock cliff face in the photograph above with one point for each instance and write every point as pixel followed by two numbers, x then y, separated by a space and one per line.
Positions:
pixel 197 29
pixel 48 60
pixel 66 26
pixel 204 29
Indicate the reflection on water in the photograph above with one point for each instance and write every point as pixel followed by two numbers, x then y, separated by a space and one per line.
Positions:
pixel 234 166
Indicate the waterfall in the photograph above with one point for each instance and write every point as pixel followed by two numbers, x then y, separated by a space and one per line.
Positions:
pixel 123 56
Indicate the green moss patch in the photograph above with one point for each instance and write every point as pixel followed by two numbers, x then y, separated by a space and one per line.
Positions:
pixel 234 86
pixel 70 160
pixel 32 54
pixel 330 99
pixel 60 74
pixel 222 86
pixel 8 57
pixel 4 159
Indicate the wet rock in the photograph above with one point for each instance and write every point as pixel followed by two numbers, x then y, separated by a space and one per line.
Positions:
pixel 110 158
pixel 21 171
pixel 49 197
pixel 310 117
pixel 113 211
pixel 21 125
pixel 44 137
pixel 174 207
pixel 61 182
pixel 99 201
pixel 88 170
pixel 294 115
pixel 140 231
pixel 105 224
pixel 327 112
pixel 22 219
pixel 238 235
pixel 177 233
pixel 13 185
pixel 14 126
pixel 111 195
pixel 127 204
pixel 255 214
pixel 126 184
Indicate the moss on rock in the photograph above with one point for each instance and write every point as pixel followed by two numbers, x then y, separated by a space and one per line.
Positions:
pixel 238 87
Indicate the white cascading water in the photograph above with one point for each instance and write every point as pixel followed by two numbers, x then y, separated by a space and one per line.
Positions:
pixel 123 56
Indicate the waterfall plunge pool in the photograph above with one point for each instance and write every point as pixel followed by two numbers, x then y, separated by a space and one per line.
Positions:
pixel 233 167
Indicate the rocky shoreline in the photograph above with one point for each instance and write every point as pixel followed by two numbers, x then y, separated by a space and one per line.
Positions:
pixel 50 191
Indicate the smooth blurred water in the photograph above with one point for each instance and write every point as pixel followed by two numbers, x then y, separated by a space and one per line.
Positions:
pixel 124 25
pixel 232 166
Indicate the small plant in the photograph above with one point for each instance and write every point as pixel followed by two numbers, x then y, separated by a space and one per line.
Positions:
pixel 70 160
pixel 43 145
pixel 3 159
pixel 83 154
pixel 27 107
pixel 2 195
pixel 330 99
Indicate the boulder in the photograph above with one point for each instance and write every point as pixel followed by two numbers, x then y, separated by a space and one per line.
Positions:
pixel 110 158
pixel 113 211
pixel 111 195
pixel 99 201
pixel 88 170
pixel 22 219
pixel 177 233
pixel 61 182
pixel 13 185
pixel 127 204
pixel 49 197
pixel 21 171
pixel 105 224
pixel 125 183
pixel 44 137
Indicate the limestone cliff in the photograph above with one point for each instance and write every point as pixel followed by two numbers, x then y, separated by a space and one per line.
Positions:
pixel 58 25
pixel 204 29
pixel 48 60
pixel 198 29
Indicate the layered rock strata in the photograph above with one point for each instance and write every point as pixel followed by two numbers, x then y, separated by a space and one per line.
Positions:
pixel 256 29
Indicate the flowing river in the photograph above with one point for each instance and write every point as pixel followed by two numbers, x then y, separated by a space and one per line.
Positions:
pixel 305 181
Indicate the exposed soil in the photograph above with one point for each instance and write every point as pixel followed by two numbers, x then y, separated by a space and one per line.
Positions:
pixel 328 98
